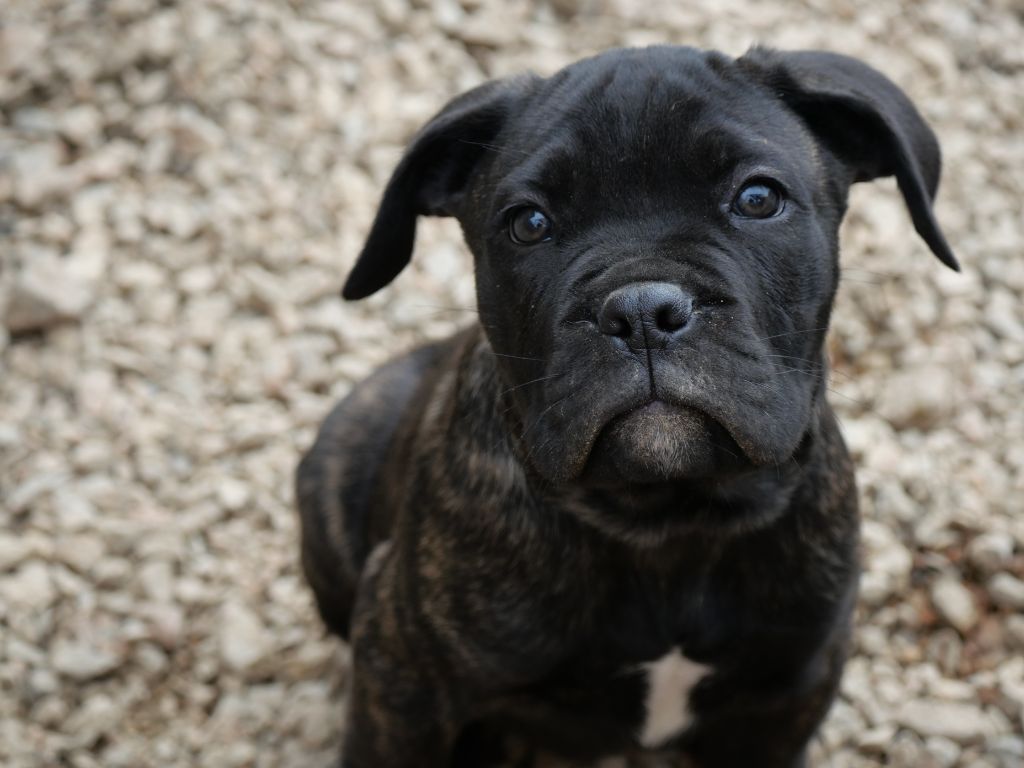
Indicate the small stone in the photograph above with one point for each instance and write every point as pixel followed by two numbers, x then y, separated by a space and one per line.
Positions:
pixel 151 658
pixel 81 124
pixel 1015 630
pixel 30 586
pixel 1010 747
pixel 234 755
pixel 13 550
pixel 83 662
pixel 22 45
pixel 233 494
pixel 23 496
pixel 43 682
pixel 959 722
pixel 244 641
pixel 990 551
pixel 99 715
pixel 51 711
pixel 918 398
pixel 166 623
pixel 951 690
pixel 39 173
pixel 945 648
pixel 955 603
pixel 888 563
pixel 945 752
pixel 173 214
pixel 310 660
pixel 44 294
pixel 1002 313
pixel 80 552
pixel 906 751
pixel 112 572
pixel 1007 591
pixel 157 580
pixel 876 740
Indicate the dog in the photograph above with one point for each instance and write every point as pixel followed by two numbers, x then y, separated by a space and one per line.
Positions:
pixel 617 514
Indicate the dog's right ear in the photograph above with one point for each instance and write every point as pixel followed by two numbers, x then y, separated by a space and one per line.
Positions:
pixel 430 179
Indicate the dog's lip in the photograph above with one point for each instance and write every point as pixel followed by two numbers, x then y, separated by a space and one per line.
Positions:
pixel 654 404
pixel 661 401
pixel 658 402
pixel 651 402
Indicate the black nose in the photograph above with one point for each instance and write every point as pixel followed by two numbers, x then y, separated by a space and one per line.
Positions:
pixel 646 315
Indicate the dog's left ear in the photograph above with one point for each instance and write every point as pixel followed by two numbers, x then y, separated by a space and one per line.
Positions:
pixel 864 119
pixel 430 179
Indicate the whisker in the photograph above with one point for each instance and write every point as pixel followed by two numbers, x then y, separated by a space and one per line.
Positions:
pixel 527 383
pixel 853 400
pixel 543 413
pixel 793 333
pixel 795 358
pixel 778 371
pixel 517 357
pixel 821 377
pixel 494 148
pixel 723 448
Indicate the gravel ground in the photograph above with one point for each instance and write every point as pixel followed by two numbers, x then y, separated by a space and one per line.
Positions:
pixel 181 188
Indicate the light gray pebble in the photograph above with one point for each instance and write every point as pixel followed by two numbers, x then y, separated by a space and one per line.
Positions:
pixel 244 641
pixel 945 752
pixel 13 550
pixel 955 603
pixel 31 587
pixel 82 661
pixel 959 722
pixel 1007 591
pixel 45 294
pixel 990 551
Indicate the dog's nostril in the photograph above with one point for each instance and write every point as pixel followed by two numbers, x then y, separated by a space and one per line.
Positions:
pixel 671 318
pixel 614 325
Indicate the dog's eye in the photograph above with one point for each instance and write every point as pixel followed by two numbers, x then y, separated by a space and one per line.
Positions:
pixel 758 200
pixel 529 226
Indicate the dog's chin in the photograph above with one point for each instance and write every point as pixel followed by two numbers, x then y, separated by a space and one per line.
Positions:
pixel 657 443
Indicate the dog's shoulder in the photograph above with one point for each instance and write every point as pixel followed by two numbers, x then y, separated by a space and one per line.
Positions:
pixel 339 478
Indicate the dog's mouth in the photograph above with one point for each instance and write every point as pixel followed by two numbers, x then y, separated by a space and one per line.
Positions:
pixel 660 442
pixel 701 413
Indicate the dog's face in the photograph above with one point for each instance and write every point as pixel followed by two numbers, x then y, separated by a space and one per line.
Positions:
pixel 655 235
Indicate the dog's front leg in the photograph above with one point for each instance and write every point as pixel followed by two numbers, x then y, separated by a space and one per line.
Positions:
pixel 741 725
pixel 401 713
pixel 395 718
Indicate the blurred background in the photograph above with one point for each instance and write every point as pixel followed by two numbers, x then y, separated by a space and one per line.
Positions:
pixel 182 187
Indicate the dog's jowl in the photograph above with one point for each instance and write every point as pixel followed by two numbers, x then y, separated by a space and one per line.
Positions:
pixel 617 514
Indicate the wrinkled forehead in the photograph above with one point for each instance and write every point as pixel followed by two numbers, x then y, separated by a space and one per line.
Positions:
pixel 652 116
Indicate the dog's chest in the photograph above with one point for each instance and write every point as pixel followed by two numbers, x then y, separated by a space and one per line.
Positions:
pixel 669 681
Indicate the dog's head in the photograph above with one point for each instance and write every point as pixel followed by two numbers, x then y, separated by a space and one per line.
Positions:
pixel 655 235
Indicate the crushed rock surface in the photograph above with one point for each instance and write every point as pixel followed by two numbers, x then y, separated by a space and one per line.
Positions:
pixel 182 186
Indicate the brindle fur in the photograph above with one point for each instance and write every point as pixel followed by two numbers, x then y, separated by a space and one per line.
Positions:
pixel 491 590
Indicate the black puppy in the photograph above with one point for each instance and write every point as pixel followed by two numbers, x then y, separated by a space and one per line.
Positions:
pixel 617 514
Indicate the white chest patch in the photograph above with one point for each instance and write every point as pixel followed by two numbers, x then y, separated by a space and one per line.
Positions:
pixel 669 680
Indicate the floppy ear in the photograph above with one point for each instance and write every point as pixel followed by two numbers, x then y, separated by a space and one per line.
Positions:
pixel 430 180
pixel 866 121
